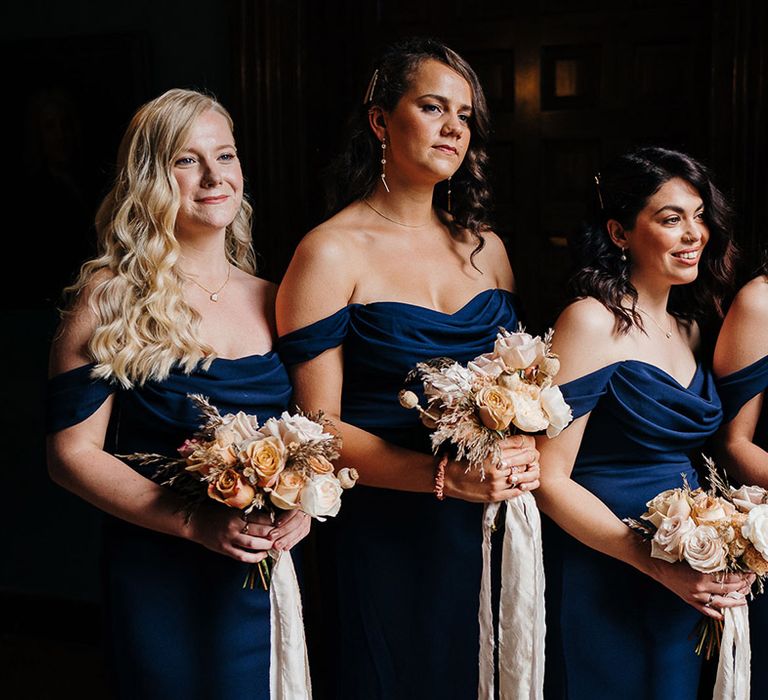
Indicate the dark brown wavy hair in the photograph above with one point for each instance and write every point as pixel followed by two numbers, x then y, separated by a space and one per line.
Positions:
pixel 625 186
pixel 355 172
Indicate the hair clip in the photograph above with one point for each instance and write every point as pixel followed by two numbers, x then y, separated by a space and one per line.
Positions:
pixel 599 193
pixel 371 87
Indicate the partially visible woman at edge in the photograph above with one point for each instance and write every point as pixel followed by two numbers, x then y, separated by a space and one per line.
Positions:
pixel 653 267
pixel 406 270
pixel 157 315
pixel 741 368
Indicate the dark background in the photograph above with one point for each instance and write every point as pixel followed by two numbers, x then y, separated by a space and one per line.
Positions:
pixel 569 85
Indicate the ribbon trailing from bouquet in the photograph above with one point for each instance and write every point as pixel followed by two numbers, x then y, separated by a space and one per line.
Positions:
pixel 733 672
pixel 521 609
pixel 288 663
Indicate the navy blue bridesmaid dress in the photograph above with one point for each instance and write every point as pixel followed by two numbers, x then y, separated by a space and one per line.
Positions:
pixel 179 622
pixel 735 390
pixel 407 566
pixel 613 632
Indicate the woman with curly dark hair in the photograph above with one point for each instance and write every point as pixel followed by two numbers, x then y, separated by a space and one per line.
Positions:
pixel 407 270
pixel 741 368
pixel 653 265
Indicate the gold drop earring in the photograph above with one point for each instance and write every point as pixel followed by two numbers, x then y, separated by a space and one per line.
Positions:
pixel 384 163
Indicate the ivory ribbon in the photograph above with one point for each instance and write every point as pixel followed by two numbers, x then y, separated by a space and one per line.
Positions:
pixel 733 670
pixel 521 610
pixel 288 663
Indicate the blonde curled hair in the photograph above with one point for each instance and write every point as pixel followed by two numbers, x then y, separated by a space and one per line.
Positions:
pixel 144 326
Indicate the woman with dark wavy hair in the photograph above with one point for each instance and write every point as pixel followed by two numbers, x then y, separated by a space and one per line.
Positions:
pixel 407 270
pixel 653 265
pixel 741 368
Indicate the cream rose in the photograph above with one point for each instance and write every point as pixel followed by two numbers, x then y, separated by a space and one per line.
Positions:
pixel 321 496
pixel 747 497
pixel 755 529
pixel 231 489
pixel 526 400
pixel 704 551
pixel 519 350
pixel 495 407
pixel 658 507
pixel 556 410
pixel 488 366
pixel 301 429
pixel 266 457
pixel 667 543
pixel 285 494
pixel 236 428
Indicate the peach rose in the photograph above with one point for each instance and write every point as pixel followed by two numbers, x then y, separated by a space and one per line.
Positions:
pixel 708 509
pixel 285 494
pixel 320 465
pixel 495 407
pixel 231 489
pixel 264 460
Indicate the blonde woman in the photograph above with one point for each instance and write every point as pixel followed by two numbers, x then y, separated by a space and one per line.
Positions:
pixel 159 314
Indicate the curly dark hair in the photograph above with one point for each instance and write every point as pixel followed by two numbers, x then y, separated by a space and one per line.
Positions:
pixel 354 173
pixel 623 189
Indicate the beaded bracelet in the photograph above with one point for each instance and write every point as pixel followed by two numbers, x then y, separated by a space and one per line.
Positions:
pixel 440 478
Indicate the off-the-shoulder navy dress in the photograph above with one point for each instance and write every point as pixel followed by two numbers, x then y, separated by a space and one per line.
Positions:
pixel 407 565
pixel 180 624
pixel 735 390
pixel 613 632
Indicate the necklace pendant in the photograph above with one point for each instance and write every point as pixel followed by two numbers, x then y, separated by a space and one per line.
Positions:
pixel 214 296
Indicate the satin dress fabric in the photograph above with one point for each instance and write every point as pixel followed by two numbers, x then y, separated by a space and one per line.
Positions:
pixel 613 632
pixel 405 567
pixel 179 622
pixel 735 390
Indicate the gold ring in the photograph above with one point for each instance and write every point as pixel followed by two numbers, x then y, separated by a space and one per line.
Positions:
pixel 244 531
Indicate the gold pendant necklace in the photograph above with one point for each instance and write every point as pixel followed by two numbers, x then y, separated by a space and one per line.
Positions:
pixel 399 223
pixel 213 295
pixel 667 333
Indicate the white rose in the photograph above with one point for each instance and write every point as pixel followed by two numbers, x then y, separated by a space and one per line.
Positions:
pixel 321 496
pixel 301 429
pixel 756 529
pixel 519 350
pixel 488 365
pixel 704 550
pixel 557 411
pixel 747 497
pixel 236 428
pixel 667 543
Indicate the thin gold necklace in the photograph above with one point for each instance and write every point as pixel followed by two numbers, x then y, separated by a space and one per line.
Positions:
pixel 213 295
pixel 667 333
pixel 399 223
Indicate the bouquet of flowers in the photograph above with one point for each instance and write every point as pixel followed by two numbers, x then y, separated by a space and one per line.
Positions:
pixel 718 531
pixel 497 394
pixel 470 410
pixel 284 464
